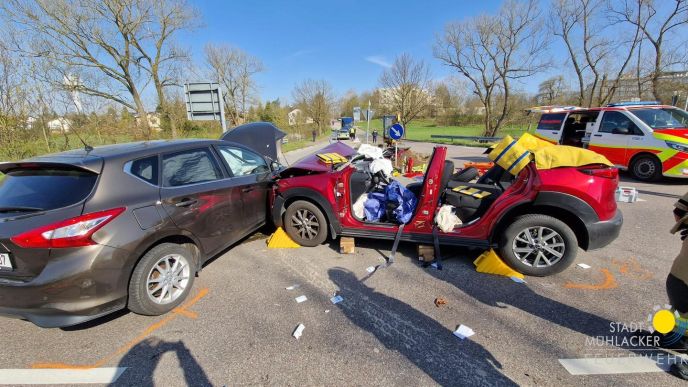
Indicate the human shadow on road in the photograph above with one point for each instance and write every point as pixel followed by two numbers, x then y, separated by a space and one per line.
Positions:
pixel 422 340
pixel 142 360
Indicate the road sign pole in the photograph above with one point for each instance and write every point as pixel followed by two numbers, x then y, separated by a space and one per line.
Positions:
pixel 368 119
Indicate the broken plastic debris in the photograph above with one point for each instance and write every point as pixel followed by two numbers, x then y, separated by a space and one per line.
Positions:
pixel 371 269
pixel 463 332
pixel 298 331
pixel 518 280
pixel 440 301
pixel 301 299
pixel 292 287
pixel 337 299
pixel 583 266
pixel 327 311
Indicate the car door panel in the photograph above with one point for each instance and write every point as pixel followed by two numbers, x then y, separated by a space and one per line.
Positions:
pixel 612 145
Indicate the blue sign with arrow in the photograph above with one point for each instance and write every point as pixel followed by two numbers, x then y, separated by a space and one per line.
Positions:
pixel 396 131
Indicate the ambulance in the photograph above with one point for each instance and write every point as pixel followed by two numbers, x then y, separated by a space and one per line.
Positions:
pixel 647 139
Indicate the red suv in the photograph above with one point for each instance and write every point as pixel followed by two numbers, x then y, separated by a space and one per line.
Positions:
pixel 536 220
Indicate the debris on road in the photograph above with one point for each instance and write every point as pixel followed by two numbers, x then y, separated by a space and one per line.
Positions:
pixel 336 299
pixel 626 194
pixel 301 299
pixel 463 332
pixel 490 263
pixel 518 280
pixel 439 301
pixel 298 331
pixel 371 269
pixel 327 311
pixel 292 287
pixel 584 266
pixel 347 245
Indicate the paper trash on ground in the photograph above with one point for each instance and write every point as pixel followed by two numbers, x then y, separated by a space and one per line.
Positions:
pixel 584 266
pixel 298 331
pixel 337 299
pixel 292 287
pixel 463 332
pixel 518 280
pixel 301 299
pixel 371 269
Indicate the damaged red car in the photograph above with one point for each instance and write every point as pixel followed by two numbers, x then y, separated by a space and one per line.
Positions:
pixel 536 220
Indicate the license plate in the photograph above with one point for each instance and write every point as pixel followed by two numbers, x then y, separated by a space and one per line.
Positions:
pixel 5 261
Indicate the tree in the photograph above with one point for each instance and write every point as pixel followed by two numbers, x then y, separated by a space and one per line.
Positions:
pixel 316 100
pixel 348 103
pixel 552 90
pixel 490 51
pixel 406 88
pixel 235 70
pixel 647 16
pixel 594 49
pixel 90 41
pixel 157 53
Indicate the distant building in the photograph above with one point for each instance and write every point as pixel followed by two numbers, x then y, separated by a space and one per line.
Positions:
pixel 295 118
pixel 30 122
pixel 388 95
pixel 633 89
pixel 60 124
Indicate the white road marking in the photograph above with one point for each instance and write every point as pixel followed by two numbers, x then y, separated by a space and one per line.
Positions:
pixel 60 376
pixel 620 365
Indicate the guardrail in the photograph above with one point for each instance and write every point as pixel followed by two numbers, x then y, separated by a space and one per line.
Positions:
pixel 473 138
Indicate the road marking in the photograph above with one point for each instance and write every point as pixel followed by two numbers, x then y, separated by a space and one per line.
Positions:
pixel 179 311
pixel 609 282
pixel 64 376
pixel 619 365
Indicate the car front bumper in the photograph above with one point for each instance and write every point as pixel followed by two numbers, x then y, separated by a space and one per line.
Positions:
pixel 77 286
pixel 602 233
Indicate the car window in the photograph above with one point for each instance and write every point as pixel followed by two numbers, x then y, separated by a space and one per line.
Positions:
pixel 551 121
pixel 145 169
pixel 189 167
pixel 662 118
pixel 242 162
pixel 45 188
pixel 613 120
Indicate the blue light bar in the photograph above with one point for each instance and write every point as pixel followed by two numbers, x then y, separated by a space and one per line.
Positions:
pixel 638 103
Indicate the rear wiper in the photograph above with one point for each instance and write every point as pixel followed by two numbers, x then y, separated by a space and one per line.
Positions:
pixel 20 209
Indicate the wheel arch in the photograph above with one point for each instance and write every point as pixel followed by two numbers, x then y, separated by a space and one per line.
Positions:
pixel 178 237
pixel 309 195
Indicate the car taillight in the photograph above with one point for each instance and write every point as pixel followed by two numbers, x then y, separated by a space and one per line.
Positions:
pixel 607 172
pixel 75 232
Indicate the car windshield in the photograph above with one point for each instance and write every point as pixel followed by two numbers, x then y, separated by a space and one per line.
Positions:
pixel 665 118
pixel 43 189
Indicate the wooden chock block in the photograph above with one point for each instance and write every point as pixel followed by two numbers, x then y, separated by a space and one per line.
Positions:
pixel 426 253
pixel 347 245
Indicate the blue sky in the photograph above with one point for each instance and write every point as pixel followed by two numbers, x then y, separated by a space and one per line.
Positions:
pixel 347 43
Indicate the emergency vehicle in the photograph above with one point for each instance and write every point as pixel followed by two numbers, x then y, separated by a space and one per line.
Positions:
pixel 647 139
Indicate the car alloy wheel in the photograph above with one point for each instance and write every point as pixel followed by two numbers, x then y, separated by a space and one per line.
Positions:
pixel 168 279
pixel 539 246
pixel 306 224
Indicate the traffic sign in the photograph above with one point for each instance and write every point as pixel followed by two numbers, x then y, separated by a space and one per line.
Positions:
pixel 357 113
pixel 396 131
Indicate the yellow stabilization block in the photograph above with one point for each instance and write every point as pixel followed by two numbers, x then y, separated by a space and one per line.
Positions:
pixel 490 263
pixel 280 240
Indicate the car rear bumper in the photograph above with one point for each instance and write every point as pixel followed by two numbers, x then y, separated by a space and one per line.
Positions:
pixel 600 234
pixel 78 286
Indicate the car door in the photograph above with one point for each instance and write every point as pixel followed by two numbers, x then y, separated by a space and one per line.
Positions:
pixel 611 136
pixel 200 199
pixel 251 174
pixel 550 126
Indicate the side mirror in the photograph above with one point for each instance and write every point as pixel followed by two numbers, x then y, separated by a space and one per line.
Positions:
pixel 621 131
pixel 275 166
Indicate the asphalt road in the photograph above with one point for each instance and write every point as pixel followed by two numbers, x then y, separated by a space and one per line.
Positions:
pixel 237 329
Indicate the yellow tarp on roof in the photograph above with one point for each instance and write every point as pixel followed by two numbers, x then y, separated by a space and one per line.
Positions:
pixel 509 154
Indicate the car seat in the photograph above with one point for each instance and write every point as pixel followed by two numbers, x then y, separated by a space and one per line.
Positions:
pixel 472 200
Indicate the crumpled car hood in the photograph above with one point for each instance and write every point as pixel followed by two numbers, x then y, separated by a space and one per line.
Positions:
pixel 312 163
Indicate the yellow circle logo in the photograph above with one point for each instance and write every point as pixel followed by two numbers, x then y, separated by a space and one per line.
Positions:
pixel 664 321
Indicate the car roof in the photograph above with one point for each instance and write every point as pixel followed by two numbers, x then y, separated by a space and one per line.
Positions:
pixel 573 110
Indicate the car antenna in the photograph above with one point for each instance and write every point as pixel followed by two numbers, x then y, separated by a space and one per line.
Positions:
pixel 87 147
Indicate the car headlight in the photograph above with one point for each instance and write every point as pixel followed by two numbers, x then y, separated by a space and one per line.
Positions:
pixel 677 146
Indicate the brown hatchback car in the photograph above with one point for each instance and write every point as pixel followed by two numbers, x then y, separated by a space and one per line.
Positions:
pixel 88 232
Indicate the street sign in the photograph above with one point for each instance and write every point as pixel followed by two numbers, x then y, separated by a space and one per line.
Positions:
pixel 357 113
pixel 205 102
pixel 396 131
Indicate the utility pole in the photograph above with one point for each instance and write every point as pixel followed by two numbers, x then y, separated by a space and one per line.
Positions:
pixel 368 119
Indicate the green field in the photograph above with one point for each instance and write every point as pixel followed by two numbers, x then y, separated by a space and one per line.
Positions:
pixel 421 130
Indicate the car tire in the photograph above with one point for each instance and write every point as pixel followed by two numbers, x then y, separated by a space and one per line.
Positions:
pixel 534 256
pixel 305 223
pixel 465 175
pixel 646 168
pixel 144 295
